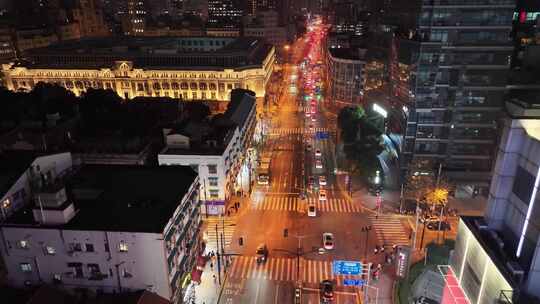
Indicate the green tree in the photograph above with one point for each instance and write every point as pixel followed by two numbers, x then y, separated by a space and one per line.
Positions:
pixel 362 142
pixel 348 121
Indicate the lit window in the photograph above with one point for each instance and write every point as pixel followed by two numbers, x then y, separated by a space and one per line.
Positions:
pixel 50 250
pixel 57 278
pixel 24 244
pixel 26 267
pixel 123 247
pixel 6 203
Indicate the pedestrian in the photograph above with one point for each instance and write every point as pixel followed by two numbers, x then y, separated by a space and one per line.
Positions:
pixel 228 212
pixel 214 276
pixel 211 266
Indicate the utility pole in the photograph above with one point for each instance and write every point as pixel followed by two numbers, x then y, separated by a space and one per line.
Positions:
pixel 366 229
pixel 218 255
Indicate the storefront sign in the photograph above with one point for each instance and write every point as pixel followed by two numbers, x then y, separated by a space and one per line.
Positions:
pixel 403 255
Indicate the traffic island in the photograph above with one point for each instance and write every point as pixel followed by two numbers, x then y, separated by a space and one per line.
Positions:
pixel 423 277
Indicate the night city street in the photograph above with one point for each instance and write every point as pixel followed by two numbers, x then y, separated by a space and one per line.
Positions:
pixel 269 151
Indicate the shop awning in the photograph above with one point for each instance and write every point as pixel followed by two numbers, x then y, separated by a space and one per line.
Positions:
pixel 196 275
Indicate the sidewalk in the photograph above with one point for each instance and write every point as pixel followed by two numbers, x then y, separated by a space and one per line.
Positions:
pixel 208 291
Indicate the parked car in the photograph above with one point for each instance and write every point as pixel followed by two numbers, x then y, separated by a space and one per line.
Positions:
pixel 322 180
pixel 425 300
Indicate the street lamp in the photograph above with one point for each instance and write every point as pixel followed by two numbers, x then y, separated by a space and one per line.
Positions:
pixel 381 111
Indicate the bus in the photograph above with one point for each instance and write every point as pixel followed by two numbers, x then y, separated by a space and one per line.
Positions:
pixel 263 173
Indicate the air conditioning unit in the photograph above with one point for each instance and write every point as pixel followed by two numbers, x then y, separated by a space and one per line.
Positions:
pixel 516 271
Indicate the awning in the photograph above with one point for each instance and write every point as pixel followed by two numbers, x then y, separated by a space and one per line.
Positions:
pixel 196 275
pixel 201 261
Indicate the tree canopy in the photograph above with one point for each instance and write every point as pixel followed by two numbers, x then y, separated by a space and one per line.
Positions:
pixel 362 142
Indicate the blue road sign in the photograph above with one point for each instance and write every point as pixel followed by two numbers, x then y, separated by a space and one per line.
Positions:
pixel 353 282
pixel 347 267
pixel 321 135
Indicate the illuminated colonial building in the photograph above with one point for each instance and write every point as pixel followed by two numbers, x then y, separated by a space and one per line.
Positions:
pixel 188 67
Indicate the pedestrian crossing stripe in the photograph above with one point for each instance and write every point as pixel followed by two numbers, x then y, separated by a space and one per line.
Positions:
pixel 225 226
pixel 288 131
pixel 273 203
pixel 389 230
pixel 284 269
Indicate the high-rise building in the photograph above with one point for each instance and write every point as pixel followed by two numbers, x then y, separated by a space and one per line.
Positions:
pixel 459 87
pixel 494 256
pixel 88 14
pixel 132 15
pixel 224 13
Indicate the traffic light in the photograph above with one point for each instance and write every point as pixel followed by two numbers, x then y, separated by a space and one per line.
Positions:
pixel 241 241
pixel 285 232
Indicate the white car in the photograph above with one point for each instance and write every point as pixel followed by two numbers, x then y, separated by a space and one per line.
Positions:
pixel 322 195
pixel 312 210
pixel 308 147
pixel 318 153
pixel 322 180
pixel 318 164
pixel 328 240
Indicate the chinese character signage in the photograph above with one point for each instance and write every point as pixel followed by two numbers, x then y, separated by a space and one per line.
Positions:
pixel 403 255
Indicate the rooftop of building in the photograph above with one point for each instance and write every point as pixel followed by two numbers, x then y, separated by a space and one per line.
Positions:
pixel 499 257
pixel 241 104
pixel 355 54
pixel 46 294
pixel 13 164
pixel 218 130
pixel 123 198
pixel 144 51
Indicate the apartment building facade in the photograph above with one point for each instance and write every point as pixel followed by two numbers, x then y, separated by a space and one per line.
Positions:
pixel 458 89
pixel 147 236
pixel 225 166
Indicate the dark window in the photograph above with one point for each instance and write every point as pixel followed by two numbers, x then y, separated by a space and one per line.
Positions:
pixel 523 185
pixel 77 269
pixel 89 247
pixel 76 247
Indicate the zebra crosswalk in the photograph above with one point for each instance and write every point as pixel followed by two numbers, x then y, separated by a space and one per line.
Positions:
pixel 289 203
pixel 288 131
pixel 225 226
pixel 284 269
pixel 389 229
